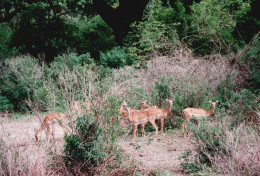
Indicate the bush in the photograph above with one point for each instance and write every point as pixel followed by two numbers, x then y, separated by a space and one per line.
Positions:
pixel 93 142
pixel 22 79
pixel 5 104
pixel 211 144
pixel 70 77
pixel 5 38
pixel 94 36
pixel 161 91
pixel 242 105
pixel 25 82
pixel 226 152
pixel 81 148
pixel 252 58
pixel 153 35
pixel 116 58
pixel 213 24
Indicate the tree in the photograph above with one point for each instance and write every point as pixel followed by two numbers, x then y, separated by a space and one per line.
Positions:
pixel 120 18
pixel 41 27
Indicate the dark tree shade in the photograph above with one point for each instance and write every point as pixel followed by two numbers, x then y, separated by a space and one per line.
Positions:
pixel 120 18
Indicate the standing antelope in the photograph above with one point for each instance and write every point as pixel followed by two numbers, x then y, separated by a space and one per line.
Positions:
pixel 51 119
pixel 160 113
pixel 144 105
pixel 199 113
pixel 136 117
pixel 123 113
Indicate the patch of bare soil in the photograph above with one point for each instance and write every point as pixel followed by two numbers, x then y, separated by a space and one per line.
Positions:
pixel 160 152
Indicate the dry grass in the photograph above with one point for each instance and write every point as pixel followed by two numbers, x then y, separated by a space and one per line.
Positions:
pixel 20 154
pixel 186 72
pixel 243 145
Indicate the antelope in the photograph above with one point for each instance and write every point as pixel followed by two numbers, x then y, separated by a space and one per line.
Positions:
pixel 199 113
pixel 76 108
pixel 136 117
pixel 160 113
pixel 123 113
pixel 144 105
pixel 51 119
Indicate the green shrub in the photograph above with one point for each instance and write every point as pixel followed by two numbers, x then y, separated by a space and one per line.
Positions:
pixel 241 105
pixel 21 80
pixel 5 104
pixel 116 58
pixel 161 91
pixel 213 23
pixel 70 77
pixel 80 147
pixel 252 58
pixel 211 144
pixel 5 38
pixel 94 36
pixel 152 35
pixel 94 140
pixel 71 61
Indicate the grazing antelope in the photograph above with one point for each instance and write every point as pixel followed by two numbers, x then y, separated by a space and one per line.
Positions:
pixel 136 117
pixel 51 119
pixel 199 113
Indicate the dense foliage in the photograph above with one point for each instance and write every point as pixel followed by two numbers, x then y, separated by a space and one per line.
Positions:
pixel 106 51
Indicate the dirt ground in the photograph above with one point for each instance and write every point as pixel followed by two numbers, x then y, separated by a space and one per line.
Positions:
pixel 160 152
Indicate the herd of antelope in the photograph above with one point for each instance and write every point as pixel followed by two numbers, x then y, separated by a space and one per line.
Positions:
pixel 146 114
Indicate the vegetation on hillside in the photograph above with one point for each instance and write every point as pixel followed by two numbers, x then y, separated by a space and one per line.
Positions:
pixel 55 52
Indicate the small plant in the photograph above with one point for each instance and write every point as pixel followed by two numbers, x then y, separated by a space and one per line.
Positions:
pixel 162 91
pixel 137 146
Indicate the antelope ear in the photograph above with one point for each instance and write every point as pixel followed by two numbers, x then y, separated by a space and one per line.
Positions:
pixel 216 101
pixel 210 101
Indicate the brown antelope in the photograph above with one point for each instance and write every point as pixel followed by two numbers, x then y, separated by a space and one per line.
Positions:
pixel 144 105
pixel 51 119
pixel 136 117
pixel 125 114
pixel 160 113
pixel 199 113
